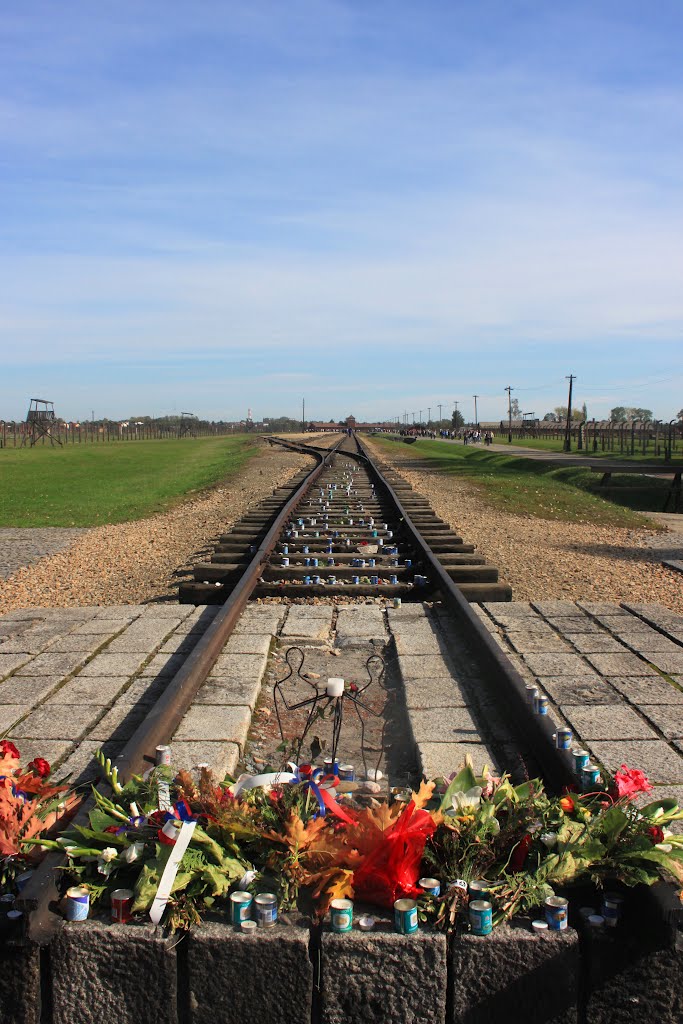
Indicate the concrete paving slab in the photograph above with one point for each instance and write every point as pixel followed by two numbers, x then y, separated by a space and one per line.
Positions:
pixel 440 725
pixel 9 714
pixel 528 623
pixel 413 612
pixel 595 643
pixel 119 611
pixel 79 642
pixel 410 645
pixel 620 665
pixel 221 758
pixel 11 662
pixel 556 664
pixel 300 624
pixel 487 623
pixel 25 615
pixel 179 644
pixel 434 692
pixel 555 607
pixel 142 640
pixel 120 722
pixel 364 621
pixel 101 690
pixel 260 623
pixel 654 757
pixel 574 624
pixel 509 609
pixel 441 759
pixel 31 642
pixel 144 690
pixel 27 690
pixel 579 690
pixel 179 612
pixel 97 625
pixel 81 767
pixel 229 691
pixel 208 722
pixel 249 643
pixel 617 624
pixel 53 664
pixel 199 620
pixel 51 750
pixel 653 641
pixel 669 720
pixel 538 643
pixel 113 665
pixel 422 628
pixel 245 666
pixel 602 608
pixel 417 666
pixel 647 690
pixel 58 722
pixel 664 660
pixel 607 722
pixel 164 665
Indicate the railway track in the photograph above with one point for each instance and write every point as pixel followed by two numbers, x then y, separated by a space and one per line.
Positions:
pixel 345 487
pixel 358 531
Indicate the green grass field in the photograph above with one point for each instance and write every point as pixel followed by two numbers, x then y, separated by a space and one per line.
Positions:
pixel 528 487
pixel 88 485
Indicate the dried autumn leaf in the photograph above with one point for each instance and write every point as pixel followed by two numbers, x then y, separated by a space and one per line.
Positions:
pixel 424 794
pixel 298 836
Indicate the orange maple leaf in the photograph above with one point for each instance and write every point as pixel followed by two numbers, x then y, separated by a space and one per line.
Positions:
pixel 424 794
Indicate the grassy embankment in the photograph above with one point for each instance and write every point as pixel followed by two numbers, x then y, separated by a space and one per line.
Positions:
pixel 529 487
pixel 88 485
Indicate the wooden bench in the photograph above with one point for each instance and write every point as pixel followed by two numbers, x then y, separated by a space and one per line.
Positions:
pixel 646 469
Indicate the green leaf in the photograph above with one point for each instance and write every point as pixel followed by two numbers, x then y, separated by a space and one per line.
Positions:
pixel 463 781
pixel 667 805
pixel 100 820
pixel 613 823
pixel 108 838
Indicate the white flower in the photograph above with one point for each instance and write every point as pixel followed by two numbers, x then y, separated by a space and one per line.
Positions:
pixel 464 802
pixel 132 852
pixel 109 854
pixel 549 839
pixel 664 847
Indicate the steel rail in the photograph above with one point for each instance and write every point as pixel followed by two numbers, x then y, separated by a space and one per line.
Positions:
pixel 536 730
pixel 40 895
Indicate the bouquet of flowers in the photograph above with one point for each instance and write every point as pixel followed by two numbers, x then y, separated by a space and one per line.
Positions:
pixel 294 837
pixel 523 842
pixel 30 805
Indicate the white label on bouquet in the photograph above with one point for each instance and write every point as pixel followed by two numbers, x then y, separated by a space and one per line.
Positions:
pixel 171 870
pixel 164 791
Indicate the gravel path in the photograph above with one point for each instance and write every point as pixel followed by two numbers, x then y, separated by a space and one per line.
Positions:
pixel 545 559
pixel 19 547
pixel 131 563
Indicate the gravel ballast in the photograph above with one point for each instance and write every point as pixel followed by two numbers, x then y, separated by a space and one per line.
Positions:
pixel 543 558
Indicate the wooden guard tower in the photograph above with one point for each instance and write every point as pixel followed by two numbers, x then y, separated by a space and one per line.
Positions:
pixel 188 421
pixel 40 422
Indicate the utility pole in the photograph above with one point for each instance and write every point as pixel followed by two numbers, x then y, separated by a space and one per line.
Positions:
pixel 440 407
pixel 476 419
pixel 413 415
pixel 429 415
pixel 420 417
pixel 568 430
pixel 303 415
pixel 509 391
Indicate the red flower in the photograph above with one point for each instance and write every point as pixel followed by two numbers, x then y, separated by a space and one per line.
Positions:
pixel 629 782
pixel 567 804
pixel 7 749
pixel 40 766
pixel 656 834
pixel 519 854
pixel 112 828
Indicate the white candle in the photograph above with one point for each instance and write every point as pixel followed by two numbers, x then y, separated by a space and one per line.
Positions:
pixel 335 687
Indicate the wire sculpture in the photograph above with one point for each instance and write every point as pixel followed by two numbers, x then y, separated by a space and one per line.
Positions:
pixel 333 697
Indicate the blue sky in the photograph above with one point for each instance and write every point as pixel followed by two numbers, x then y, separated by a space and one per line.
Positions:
pixel 378 206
